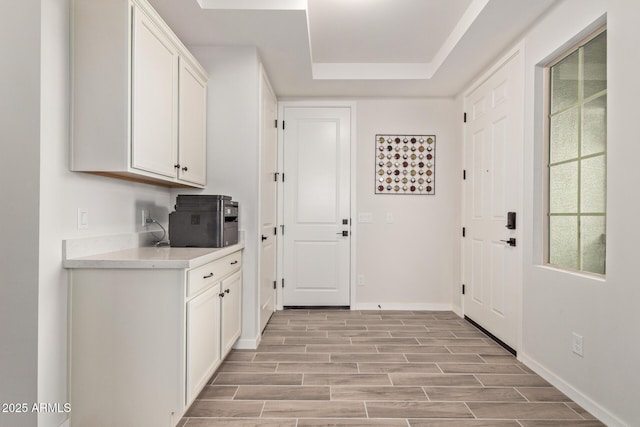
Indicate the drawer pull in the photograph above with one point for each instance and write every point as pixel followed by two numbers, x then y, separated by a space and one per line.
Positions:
pixel 207 276
pixel 234 262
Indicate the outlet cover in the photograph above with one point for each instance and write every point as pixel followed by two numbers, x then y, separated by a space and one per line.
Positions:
pixel 360 279
pixel 578 344
pixel 365 217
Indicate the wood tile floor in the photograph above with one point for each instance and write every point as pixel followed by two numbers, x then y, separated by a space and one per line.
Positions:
pixel 378 368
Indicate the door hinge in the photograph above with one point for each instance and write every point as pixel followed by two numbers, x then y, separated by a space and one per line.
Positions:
pixel 464 174
pixel 282 229
pixel 463 289
pixel 464 231
pixel 275 176
pixel 465 117
pixel 283 282
pixel 274 284
pixel 275 231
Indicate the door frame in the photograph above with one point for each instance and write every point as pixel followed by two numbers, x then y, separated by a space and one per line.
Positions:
pixel 518 49
pixel 264 81
pixel 352 105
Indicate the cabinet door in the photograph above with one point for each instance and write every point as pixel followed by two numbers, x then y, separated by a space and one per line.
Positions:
pixel 154 98
pixel 203 340
pixel 231 311
pixel 192 125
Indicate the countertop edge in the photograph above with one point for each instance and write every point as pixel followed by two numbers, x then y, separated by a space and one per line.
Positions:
pixel 109 262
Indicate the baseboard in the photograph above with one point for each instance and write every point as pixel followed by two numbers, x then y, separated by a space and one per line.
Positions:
pixel 66 423
pixel 247 343
pixel 402 307
pixel 588 404
pixel 457 310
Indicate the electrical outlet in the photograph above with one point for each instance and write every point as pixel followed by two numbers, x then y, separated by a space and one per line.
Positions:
pixel 360 279
pixel 365 217
pixel 577 344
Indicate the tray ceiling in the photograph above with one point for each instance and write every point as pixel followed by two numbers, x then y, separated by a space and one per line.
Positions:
pixel 340 48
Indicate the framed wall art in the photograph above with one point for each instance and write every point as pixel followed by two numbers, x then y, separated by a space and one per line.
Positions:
pixel 405 164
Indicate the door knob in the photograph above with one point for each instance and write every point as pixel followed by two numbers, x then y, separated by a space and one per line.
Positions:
pixel 510 242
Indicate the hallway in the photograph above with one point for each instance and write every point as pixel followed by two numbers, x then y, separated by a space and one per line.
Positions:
pixel 386 368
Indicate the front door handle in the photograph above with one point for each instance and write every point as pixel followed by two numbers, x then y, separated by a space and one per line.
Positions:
pixel 344 233
pixel 510 242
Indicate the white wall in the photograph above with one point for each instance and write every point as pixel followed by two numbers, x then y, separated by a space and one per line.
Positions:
pixel 556 303
pixel 40 200
pixel 19 192
pixel 233 155
pixel 415 261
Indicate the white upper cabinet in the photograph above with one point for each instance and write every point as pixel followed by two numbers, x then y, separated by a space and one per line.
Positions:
pixel 193 124
pixel 139 97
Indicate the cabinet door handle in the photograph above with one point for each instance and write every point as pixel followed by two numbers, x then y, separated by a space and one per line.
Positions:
pixel 177 166
pixel 226 291
pixel 221 294
pixel 234 262
pixel 207 276
pixel 185 168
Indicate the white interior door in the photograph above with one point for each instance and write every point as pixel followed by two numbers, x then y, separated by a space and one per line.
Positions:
pixel 317 206
pixel 493 160
pixel 268 202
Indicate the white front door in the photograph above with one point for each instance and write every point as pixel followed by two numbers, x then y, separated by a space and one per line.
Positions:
pixel 317 206
pixel 493 160
pixel 268 201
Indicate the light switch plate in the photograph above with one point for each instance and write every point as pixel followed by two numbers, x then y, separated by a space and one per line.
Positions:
pixel 83 218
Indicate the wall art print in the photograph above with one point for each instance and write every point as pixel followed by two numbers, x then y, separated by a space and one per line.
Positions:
pixel 405 164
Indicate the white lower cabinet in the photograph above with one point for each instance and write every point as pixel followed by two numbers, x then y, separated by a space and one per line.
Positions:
pixel 144 342
pixel 203 340
pixel 231 311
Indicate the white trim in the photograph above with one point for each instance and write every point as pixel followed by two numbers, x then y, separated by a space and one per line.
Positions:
pixel 518 48
pixel 382 306
pixel 248 343
pixel 371 71
pixel 578 397
pixel 253 4
pixel 66 423
pixel 457 310
pixel 352 105
pixel 462 27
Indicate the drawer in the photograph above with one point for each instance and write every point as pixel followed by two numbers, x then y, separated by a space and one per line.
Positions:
pixel 201 277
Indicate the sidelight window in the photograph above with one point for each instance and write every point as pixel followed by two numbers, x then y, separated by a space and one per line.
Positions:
pixel 577 157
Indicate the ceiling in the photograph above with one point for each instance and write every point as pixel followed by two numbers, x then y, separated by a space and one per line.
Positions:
pixel 359 48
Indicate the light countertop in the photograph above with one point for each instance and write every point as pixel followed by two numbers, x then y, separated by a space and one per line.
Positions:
pixel 152 257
